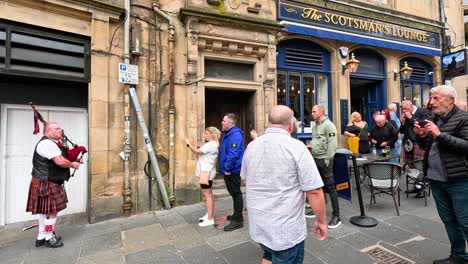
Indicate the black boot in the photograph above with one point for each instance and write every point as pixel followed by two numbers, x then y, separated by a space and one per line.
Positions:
pixel 41 242
pixel 53 243
pixel 233 225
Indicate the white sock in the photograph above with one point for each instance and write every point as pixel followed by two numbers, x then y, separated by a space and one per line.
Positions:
pixel 49 230
pixel 41 235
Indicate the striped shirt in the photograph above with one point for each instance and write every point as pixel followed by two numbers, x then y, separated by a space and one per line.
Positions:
pixel 278 170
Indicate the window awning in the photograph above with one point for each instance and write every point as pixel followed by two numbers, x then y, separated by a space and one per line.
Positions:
pixel 322 32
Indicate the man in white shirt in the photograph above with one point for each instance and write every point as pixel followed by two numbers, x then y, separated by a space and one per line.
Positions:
pixel 47 194
pixel 279 172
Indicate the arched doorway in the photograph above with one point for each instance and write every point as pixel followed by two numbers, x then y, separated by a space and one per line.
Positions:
pixel 303 80
pixel 367 85
pixel 416 88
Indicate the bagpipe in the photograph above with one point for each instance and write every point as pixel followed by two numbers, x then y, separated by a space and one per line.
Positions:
pixel 75 153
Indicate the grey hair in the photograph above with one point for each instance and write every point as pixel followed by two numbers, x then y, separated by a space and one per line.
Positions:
pixel 446 90
pixel 392 106
pixel 406 103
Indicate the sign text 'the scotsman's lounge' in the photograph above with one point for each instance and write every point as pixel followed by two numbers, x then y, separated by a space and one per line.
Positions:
pixel 326 18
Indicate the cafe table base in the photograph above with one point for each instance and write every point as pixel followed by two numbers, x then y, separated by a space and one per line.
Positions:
pixel 363 221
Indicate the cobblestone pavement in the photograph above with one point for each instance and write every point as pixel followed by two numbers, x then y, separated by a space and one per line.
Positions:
pixel 173 236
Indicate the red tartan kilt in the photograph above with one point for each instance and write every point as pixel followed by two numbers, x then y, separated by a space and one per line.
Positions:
pixel 55 201
pixel 416 154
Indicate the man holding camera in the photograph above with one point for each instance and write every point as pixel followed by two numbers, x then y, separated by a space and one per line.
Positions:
pixel 445 141
pixel 411 150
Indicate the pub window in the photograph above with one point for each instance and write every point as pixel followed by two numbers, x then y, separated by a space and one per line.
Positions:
pixel 229 70
pixel 416 89
pixel 303 80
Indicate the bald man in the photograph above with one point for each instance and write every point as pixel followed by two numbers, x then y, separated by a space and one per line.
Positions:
pixel 383 134
pixel 47 194
pixel 278 171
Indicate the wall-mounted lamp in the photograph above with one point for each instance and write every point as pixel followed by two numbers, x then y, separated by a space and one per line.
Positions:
pixel 405 72
pixel 352 65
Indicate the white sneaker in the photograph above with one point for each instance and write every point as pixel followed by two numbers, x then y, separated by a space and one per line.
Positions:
pixel 206 222
pixel 203 218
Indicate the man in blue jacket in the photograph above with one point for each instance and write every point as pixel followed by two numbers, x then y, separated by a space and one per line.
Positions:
pixel 230 160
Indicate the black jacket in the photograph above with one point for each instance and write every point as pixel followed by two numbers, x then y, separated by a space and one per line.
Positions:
pixel 452 143
pixel 407 128
pixel 387 133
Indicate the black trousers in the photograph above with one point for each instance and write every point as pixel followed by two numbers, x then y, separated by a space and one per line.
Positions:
pixel 233 185
pixel 326 172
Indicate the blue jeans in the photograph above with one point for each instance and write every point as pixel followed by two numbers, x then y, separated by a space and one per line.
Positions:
pixel 294 255
pixel 452 199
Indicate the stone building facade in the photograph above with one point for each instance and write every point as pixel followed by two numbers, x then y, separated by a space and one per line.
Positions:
pixel 198 59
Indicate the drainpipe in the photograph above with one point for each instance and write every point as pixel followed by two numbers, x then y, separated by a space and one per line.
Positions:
pixel 172 109
pixel 127 199
pixel 443 19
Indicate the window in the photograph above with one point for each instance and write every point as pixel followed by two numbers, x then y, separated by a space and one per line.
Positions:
pixel 30 51
pixel 416 89
pixel 303 80
pixel 229 70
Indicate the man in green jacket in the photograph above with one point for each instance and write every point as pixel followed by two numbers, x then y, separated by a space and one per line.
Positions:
pixel 323 148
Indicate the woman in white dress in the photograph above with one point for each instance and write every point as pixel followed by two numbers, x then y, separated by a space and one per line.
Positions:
pixel 206 169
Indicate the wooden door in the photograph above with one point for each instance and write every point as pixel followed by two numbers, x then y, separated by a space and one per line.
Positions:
pixel 220 102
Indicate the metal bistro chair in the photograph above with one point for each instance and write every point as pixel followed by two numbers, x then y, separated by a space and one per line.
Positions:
pixel 384 178
pixel 414 174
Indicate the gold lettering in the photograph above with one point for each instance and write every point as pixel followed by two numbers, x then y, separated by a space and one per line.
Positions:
pixel 378 28
pixel 342 20
pixel 311 13
pixel 356 23
pixel 363 24
pixel 425 37
pixel 306 12
pixel 371 27
pixel 327 17
pixel 386 30
pixel 334 19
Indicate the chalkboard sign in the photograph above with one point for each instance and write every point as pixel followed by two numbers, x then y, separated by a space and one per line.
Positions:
pixel 344 114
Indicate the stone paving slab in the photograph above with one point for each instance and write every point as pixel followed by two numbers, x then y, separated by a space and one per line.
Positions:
pixel 144 238
pixel 333 250
pixel 69 253
pixel 245 253
pixel 359 240
pixel 71 233
pixel 424 227
pixel 15 249
pixel 191 213
pixel 228 239
pixel 115 256
pixel 185 237
pixel 202 254
pixel 170 218
pixel 426 249
pixel 160 255
pixel 388 233
pixel 140 220
pixel 102 242
pixel 309 258
pixel 109 226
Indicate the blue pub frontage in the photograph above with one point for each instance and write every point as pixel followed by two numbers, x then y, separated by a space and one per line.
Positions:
pixel 322 38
